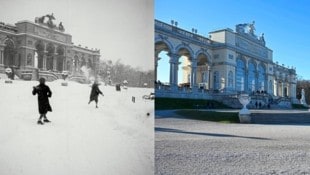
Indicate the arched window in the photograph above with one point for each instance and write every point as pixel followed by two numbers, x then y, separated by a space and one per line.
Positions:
pixel 261 77
pixel 270 87
pixel 216 80
pixel 230 80
pixel 9 52
pixel 251 77
pixel 29 61
pixel 240 75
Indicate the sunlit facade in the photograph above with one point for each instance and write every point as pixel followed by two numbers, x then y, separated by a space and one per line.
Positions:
pixel 228 61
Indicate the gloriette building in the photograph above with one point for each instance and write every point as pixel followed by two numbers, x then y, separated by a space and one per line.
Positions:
pixel 226 63
pixel 43 49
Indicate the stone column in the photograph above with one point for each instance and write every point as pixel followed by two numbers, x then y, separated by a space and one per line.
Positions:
pixel 64 64
pixel 55 62
pixel 282 93
pixel 156 66
pixel 173 70
pixel 256 81
pixel 246 83
pixel 288 92
pixel 1 57
pixel 274 90
pixel 209 77
pixel 44 57
pixel 44 61
pixel 193 76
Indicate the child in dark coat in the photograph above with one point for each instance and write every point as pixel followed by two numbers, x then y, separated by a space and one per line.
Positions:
pixel 44 93
pixel 95 91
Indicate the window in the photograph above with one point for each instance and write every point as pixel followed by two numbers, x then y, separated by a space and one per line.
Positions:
pixel 270 87
pixel 216 56
pixel 261 77
pixel 216 80
pixel 29 59
pixel 252 77
pixel 240 75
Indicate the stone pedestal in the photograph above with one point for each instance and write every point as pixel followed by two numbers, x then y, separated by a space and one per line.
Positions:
pixel 245 118
pixel 8 81
pixel 64 83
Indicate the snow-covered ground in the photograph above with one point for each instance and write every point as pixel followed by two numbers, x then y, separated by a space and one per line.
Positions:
pixel 116 138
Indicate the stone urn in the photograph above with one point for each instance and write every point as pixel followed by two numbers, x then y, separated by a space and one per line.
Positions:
pixel 9 74
pixel 64 77
pixel 244 114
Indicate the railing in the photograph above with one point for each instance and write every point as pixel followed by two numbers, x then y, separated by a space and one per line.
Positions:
pixel 8 27
pixel 166 27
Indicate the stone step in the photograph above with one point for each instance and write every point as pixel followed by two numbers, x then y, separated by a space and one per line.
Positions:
pixel 281 118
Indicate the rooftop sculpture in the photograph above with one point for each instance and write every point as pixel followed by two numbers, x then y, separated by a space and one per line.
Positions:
pixel 49 22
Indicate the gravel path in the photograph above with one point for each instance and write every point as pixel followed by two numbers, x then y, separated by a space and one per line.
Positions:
pixel 185 146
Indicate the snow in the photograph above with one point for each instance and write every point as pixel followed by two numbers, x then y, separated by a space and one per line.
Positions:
pixel 116 138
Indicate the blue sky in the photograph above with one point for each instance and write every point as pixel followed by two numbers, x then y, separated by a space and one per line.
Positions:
pixel 285 23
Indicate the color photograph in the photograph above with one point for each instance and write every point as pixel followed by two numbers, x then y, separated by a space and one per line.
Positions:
pixel 232 87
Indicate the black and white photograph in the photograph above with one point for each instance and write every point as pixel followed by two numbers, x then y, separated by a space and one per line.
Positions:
pixel 76 87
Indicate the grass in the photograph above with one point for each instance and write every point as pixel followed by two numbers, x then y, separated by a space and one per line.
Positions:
pixel 299 106
pixel 179 103
pixel 222 117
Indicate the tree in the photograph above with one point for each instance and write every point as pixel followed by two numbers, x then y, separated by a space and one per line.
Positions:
pixel 303 84
pixel 118 72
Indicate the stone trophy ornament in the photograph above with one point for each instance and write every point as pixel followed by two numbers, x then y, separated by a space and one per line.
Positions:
pixel 303 98
pixel 244 113
pixel 125 84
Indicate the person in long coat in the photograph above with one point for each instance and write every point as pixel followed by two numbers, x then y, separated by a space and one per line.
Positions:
pixel 44 93
pixel 95 91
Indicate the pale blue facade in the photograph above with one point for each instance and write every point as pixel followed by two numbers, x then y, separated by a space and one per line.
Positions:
pixel 227 62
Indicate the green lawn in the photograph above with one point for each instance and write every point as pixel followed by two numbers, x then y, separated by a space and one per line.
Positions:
pixel 299 106
pixel 179 103
pixel 222 117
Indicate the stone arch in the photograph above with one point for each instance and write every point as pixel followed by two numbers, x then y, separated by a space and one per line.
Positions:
pixel 162 45
pixel 9 40
pixel 50 48
pixel 161 60
pixel 39 54
pixel 202 73
pixel 9 52
pixel 184 65
pixel 230 78
pixel 205 54
pixel 184 50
